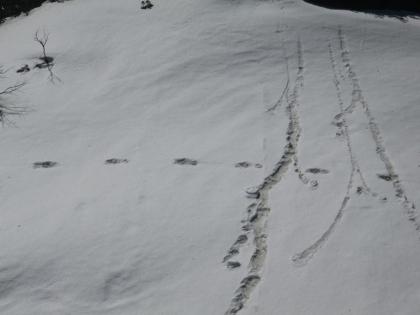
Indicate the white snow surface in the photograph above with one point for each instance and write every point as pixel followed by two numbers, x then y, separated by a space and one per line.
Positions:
pixel 220 82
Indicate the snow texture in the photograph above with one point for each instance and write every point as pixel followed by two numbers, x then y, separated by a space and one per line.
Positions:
pixel 210 157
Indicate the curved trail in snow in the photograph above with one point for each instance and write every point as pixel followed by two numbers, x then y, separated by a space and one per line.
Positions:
pixel 375 132
pixel 258 212
pixel 302 258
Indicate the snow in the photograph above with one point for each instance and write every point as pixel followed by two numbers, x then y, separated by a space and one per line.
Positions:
pixel 197 80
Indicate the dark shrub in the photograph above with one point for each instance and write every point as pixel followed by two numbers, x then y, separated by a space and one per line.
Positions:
pixel 16 7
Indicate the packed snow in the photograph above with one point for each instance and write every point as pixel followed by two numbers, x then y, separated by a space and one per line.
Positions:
pixel 210 157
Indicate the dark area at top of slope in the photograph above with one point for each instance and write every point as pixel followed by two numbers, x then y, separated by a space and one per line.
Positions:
pixel 401 9
pixel 10 8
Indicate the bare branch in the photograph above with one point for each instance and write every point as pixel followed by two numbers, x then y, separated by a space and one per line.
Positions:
pixel 53 78
pixel 12 89
pixel 42 39
pixel 48 62
pixel 7 110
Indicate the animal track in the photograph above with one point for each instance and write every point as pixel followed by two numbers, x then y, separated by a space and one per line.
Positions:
pixel 375 132
pixel 301 175
pixel 44 164
pixel 234 249
pixel 116 161
pixel 246 164
pixel 340 121
pixel 243 293
pixel 316 170
pixel 233 264
pixel 185 161
pixel 243 164
pixel 385 177
pixel 257 212
pixel 285 90
pixel 302 258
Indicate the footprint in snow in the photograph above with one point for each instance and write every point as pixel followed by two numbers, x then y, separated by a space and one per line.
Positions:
pixel 233 264
pixel 44 164
pixel 316 170
pixel 385 177
pixel 185 161
pixel 243 164
pixel 116 161
pixel 246 164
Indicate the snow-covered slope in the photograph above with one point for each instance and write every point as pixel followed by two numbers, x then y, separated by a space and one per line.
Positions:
pixel 323 100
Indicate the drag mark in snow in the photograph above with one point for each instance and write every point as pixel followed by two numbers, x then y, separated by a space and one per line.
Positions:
pixel 285 90
pixel 341 122
pixel 313 183
pixel 375 132
pixel 258 211
pixel 303 257
pixel 293 111
pixel 285 97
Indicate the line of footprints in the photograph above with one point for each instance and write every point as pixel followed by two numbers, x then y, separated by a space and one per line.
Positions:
pixel 179 161
pixel 50 164
pixel 192 162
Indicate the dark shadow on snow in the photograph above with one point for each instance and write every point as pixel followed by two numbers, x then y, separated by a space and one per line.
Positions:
pixel 401 10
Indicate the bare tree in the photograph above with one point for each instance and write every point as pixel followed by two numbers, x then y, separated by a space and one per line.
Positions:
pixel 6 109
pixel 42 39
pixel 47 61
